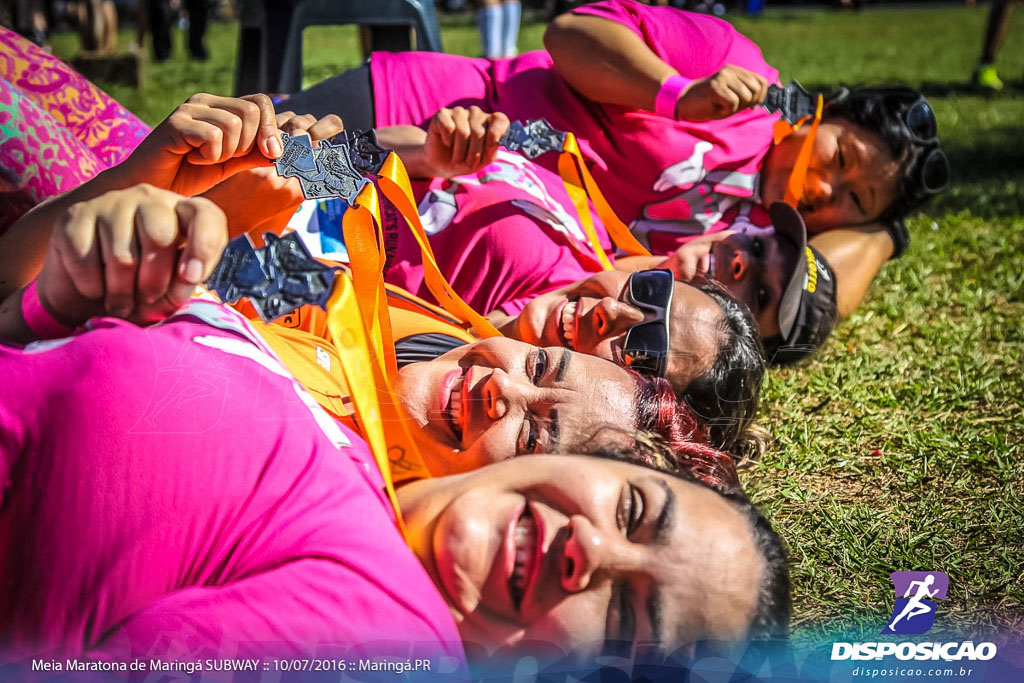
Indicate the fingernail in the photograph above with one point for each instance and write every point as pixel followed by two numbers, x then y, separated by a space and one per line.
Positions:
pixel 274 146
pixel 192 271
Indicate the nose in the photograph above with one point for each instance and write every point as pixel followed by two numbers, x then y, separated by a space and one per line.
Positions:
pixel 499 392
pixel 740 264
pixel 817 189
pixel 584 548
pixel 612 317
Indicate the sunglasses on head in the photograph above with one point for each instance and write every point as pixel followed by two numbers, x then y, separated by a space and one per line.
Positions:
pixel 933 173
pixel 920 122
pixel 646 345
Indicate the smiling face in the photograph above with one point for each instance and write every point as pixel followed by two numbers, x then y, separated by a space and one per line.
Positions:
pixel 593 316
pixel 755 270
pixel 851 179
pixel 498 398
pixel 578 551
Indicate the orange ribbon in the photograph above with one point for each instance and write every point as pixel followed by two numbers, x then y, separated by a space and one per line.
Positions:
pixel 366 255
pixel 795 185
pixel 581 184
pixel 371 399
pixel 394 184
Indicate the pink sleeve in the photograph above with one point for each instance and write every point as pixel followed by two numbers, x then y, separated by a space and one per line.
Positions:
pixel 695 45
pixel 309 607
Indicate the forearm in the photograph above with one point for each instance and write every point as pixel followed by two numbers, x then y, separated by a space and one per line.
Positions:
pixel 605 61
pixel 856 256
pixel 23 246
pixel 273 203
pixel 408 142
pixel 631 264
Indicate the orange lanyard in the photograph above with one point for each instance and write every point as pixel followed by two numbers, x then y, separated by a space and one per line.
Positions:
pixel 580 185
pixel 394 184
pixel 795 185
pixel 363 333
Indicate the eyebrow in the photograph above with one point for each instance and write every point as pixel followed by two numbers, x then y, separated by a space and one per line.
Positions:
pixel 563 365
pixel 654 614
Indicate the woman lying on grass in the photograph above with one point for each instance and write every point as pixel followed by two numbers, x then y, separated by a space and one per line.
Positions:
pixel 703 343
pixel 665 105
pixel 225 518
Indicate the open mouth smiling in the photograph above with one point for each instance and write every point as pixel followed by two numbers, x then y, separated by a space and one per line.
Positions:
pixel 568 323
pixel 456 411
pixel 526 557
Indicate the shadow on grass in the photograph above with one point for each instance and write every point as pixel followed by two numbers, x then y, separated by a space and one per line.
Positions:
pixel 988 175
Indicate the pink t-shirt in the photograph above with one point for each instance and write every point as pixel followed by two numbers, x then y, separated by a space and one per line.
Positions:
pixel 171 492
pixel 667 179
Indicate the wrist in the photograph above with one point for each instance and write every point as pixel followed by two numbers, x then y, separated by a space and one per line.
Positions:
pixel 672 89
pixel 38 319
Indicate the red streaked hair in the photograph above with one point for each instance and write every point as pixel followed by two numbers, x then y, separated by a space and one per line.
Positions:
pixel 683 438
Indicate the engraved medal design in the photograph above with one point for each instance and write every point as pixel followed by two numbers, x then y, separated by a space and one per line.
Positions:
pixel 793 101
pixel 324 171
pixel 533 138
pixel 277 278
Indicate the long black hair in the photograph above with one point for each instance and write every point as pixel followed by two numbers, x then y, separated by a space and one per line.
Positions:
pixel 725 396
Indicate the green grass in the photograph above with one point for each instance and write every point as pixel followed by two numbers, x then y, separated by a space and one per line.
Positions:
pixel 900 447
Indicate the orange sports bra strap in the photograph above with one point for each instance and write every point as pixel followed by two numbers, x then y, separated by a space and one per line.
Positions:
pixel 574 172
pixel 394 184
pixel 354 347
pixel 795 186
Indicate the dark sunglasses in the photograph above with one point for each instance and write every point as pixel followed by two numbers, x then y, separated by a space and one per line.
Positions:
pixel 920 122
pixel 934 174
pixel 646 346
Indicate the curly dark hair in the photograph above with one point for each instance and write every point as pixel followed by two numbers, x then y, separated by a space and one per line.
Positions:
pixel 883 110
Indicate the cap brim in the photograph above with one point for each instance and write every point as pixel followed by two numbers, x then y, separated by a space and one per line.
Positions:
pixel 788 224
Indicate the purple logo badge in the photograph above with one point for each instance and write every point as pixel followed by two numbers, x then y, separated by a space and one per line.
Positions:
pixel 914 611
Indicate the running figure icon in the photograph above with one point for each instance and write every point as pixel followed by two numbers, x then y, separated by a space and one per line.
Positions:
pixel 914 610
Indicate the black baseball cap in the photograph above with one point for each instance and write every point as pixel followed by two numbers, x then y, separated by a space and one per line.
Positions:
pixel 807 311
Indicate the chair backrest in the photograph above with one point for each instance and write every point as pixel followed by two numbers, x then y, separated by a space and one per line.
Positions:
pixel 419 14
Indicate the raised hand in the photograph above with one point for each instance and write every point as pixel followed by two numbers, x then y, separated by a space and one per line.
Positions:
pixel 731 89
pixel 252 197
pixel 136 254
pixel 204 141
pixel 693 259
pixel 461 141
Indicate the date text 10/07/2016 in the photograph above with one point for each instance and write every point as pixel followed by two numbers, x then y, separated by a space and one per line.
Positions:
pixel 383 664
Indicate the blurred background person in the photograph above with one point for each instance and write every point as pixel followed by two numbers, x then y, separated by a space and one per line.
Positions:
pixel 996 27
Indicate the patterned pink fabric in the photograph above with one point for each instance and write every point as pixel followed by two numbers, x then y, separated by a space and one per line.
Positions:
pixel 38 157
pixel 106 128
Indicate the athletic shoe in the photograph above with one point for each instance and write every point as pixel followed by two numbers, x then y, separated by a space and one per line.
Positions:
pixel 985 76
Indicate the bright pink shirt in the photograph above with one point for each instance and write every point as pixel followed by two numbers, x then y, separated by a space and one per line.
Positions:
pixel 501 236
pixel 667 179
pixel 171 492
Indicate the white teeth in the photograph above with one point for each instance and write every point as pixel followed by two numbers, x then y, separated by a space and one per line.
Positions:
pixel 526 545
pixel 455 405
pixel 456 409
pixel 569 322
